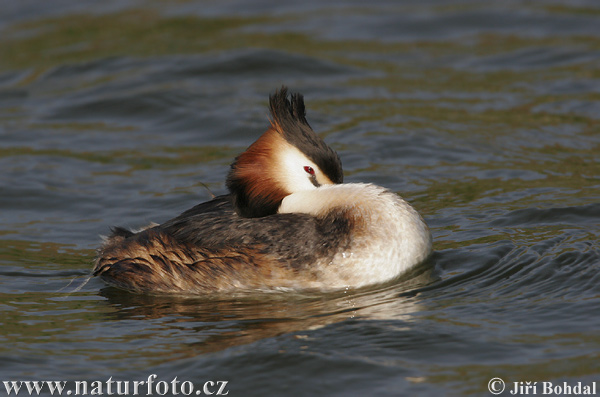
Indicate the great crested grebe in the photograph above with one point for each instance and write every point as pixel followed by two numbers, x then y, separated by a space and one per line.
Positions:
pixel 288 222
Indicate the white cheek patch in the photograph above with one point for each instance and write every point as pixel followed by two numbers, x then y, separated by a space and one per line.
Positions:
pixel 292 174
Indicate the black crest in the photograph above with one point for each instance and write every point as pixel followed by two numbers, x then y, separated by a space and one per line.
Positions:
pixel 288 112
pixel 290 116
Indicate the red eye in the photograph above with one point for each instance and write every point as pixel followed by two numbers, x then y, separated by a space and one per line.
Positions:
pixel 309 170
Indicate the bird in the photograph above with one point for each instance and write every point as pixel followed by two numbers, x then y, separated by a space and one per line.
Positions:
pixel 286 223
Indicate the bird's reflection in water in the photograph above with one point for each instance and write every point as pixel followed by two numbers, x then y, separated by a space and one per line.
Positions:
pixel 219 322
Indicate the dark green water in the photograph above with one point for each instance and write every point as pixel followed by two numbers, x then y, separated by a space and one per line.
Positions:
pixel 484 115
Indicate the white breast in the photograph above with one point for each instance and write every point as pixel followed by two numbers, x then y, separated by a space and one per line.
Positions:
pixel 389 236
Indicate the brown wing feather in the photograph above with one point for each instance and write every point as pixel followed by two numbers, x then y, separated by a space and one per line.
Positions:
pixel 152 261
pixel 210 248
